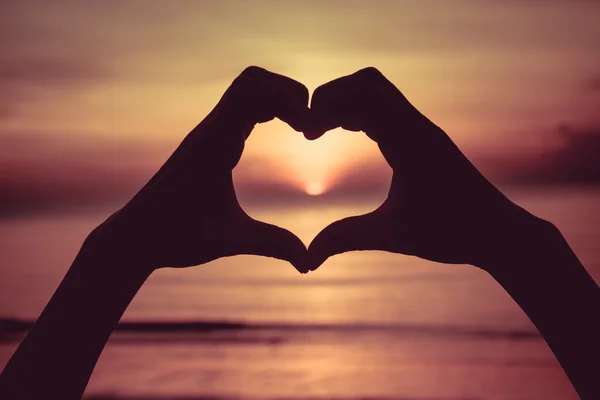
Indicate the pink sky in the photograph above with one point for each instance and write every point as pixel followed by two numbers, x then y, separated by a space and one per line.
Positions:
pixel 97 95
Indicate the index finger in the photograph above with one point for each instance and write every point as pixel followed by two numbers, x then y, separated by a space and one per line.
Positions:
pixel 346 102
pixel 279 96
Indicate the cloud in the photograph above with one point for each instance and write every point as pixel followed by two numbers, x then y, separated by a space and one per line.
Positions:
pixel 569 158
pixel 37 71
pixel 593 84
pixel 41 175
pixel 62 177
pixel 362 180
pixel 575 162
pixel 38 55
pixel 29 79
pixel 65 177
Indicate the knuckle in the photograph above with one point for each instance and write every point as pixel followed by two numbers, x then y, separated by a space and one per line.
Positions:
pixel 371 72
pixel 252 70
pixel 291 91
pixel 303 94
pixel 318 92
pixel 318 96
pixel 239 88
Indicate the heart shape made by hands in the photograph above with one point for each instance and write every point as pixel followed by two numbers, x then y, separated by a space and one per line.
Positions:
pixel 439 207
pixel 438 203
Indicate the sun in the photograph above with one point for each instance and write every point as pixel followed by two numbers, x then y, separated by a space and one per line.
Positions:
pixel 314 188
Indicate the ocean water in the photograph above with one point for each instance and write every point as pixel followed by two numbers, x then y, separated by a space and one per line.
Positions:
pixel 365 325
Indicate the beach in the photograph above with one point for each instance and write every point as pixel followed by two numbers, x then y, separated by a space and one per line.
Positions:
pixel 365 325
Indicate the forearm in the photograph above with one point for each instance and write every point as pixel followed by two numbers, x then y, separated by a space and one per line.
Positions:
pixel 57 357
pixel 562 300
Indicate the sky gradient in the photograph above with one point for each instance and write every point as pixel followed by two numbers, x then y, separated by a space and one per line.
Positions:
pixel 94 96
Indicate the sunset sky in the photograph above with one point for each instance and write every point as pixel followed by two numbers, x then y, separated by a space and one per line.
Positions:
pixel 94 96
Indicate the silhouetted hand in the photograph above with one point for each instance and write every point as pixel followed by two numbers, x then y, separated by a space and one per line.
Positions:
pixel 439 207
pixel 188 213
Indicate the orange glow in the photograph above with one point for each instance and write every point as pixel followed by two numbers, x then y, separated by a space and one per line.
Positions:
pixel 315 188
pixel 311 166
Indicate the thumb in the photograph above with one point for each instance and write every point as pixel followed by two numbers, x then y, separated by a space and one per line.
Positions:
pixel 262 239
pixel 365 232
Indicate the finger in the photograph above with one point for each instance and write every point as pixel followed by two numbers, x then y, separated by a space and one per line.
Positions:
pixel 329 106
pixel 345 101
pixel 262 239
pixel 334 110
pixel 256 96
pixel 365 232
pixel 278 96
pixel 297 89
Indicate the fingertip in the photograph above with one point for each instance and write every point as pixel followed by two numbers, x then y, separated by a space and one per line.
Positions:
pixel 313 135
pixel 253 71
pixel 317 125
pixel 299 270
pixel 316 255
pixel 303 93
pixel 300 263
pixel 348 234
pixel 294 251
pixel 260 238
pixel 297 118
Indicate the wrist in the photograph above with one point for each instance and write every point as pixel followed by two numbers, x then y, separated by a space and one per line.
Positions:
pixel 106 249
pixel 544 277
pixel 522 246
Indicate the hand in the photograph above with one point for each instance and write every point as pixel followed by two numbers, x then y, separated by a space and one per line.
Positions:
pixel 439 207
pixel 188 213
